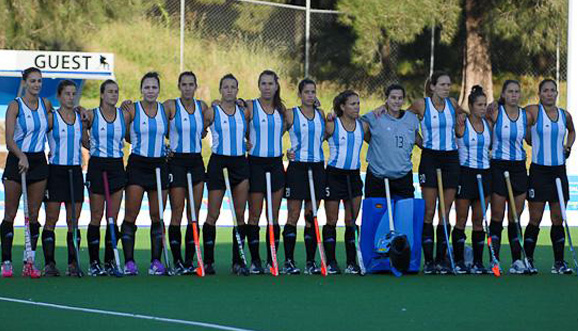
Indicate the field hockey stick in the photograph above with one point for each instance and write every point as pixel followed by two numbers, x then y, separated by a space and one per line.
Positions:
pixel 111 226
pixel 200 265
pixel 392 232
pixel 27 236
pixel 564 217
pixel 315 224
pixel 358 254
pixel 442 211
pixel 275 267
pixel 74 222
pixel 514 212
pixel 170 270
pixel 495 262
pixel 232 208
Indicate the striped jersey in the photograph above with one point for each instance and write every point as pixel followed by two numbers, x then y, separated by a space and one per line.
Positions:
pixel 345 146
pixel 438 128
pixel 228 132
pixel 548 139
pixel 107 138
pixel 65 141
pixel 147 134
pixel 186 130
pixel 306 136
pixel 474 147
pixel 508 136
pixel 265 132
pixel 31 127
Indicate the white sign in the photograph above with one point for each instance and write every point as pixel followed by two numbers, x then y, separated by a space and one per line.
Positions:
pixel 74 65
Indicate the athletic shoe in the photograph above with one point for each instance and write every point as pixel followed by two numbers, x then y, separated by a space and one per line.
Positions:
pixel 111 270
pixel 333 268
pixel 209 269
pixel 352 269
pixel 267 268
pixel 29 270
pixel 311 268
pixel 289 268
pixel 7 269
pixel 157 268
pixel 50 270
pixel 96 270
pixel 533 270
pixel 478 269
pixel 461 268
pixel 429 268
pixel 518 268
pixel 239 269
pixel 256 268
pixel 443 268
pixel 130 268
pixel 561 268
pixel 180 269
pixel 72 270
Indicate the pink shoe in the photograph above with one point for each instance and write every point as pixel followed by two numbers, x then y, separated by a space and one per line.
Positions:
pixel 7 269
pixel 29 270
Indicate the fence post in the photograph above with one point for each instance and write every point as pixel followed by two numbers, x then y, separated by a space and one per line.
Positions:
pixel 307 33
pixel 182 55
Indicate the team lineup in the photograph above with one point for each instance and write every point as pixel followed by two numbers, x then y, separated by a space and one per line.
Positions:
pixel 473 157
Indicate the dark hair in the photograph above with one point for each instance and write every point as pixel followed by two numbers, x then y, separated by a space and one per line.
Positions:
pixel 340 100
pixel 150 74
pixel 28 71
pixel 228 76
pixel 501 100
pixel 475 92
pixel 433 80
pixel 63 84
pixel 394 87
pixel 277 101
pixel 544 82
pixel 305 82
pixel 187 73
pixel 106 82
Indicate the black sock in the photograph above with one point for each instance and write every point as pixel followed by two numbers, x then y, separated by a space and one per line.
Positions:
pixel 496 235
pixel 190 244
pixel 310 242
pixel 350 252
pixel 427 242
pixel 530 239
pixel 289 239
pixel 236 253
pixel 128 232
pixel 93 241
pixel 253 241
pixel 108 250
pixel 156 241
pixel 558 237
pixel 441 243
pixel 276 233
pixel 175 243
pixel 209 236
pixel 7 236
pixel 478 245
pixel 70 245
pixel 48 243
pixel 329 239
pixel 34 235
pixel 459 242
pixel 514 243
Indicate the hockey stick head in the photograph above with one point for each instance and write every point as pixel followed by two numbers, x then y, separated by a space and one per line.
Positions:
pixel 496 269
pixel 400 253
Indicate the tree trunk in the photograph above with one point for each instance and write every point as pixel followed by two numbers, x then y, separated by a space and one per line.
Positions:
pixel 477 66
pixel 388 56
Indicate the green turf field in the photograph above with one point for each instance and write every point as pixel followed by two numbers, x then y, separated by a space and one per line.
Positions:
pixel 345 302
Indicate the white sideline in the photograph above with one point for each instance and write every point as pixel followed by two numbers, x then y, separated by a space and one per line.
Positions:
pixel 115 313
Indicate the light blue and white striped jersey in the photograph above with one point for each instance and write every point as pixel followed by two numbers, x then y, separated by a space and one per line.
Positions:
pixel 474 147
pixel 228 132
pixel 438 128
pixel 107 138
pixel 345 146
pixel 265 132
pixel 31 127
pixel 508 136
pixel 307 136
pixel 65 141
pixel 548 139
pixel 147 134
pixel 186 130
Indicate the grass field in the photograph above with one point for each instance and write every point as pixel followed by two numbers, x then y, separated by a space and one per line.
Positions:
pixel 374 302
